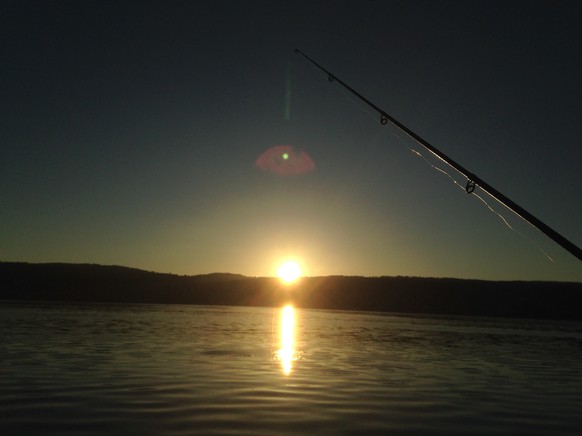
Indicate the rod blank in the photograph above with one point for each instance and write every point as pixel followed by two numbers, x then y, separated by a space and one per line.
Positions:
pixel 472 179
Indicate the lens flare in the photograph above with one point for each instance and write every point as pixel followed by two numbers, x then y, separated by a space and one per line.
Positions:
pixel 285 160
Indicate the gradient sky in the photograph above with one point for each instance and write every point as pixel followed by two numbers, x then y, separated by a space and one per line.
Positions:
pixel 129 133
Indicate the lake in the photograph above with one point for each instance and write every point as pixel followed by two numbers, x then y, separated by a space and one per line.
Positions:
pixel 172 369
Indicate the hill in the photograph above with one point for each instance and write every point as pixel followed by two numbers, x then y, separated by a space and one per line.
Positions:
pixel 97 283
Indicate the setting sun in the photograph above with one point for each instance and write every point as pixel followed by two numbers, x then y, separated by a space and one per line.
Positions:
pixel 289 271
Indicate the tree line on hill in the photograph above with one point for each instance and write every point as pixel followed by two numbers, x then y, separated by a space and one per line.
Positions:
pixel 115 284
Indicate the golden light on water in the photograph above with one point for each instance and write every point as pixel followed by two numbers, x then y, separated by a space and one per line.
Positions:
pixel 286 355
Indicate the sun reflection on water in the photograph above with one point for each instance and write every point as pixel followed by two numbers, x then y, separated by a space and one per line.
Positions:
pixel 287 354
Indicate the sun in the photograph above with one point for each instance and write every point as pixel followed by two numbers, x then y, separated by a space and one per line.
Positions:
pixel 289 271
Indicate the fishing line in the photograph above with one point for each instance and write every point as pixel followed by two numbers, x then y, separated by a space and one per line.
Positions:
pixel 402 142
pixel 499 214
pixel 348 96
pixel 354 102
pixel 472 180
pixel 477 196
pixel 502 218
pixel 390 127
pixel 532 241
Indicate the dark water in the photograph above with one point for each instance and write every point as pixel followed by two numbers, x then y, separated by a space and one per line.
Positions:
pixel 146 369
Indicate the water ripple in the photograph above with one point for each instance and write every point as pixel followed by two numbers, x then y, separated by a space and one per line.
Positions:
pixel 146 369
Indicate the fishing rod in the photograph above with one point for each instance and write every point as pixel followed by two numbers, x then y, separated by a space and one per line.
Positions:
pixel 472 180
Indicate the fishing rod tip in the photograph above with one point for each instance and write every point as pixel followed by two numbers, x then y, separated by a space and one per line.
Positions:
pixel 297 50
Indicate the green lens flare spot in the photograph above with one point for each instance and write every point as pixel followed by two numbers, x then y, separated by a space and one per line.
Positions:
pixel 285 156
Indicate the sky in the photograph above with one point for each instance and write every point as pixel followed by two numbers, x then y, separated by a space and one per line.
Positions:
pixel 130 132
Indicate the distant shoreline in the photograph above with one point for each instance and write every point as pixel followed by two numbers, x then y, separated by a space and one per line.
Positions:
pixel 61 282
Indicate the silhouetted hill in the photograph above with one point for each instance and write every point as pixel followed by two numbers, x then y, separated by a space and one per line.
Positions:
pixel 96 283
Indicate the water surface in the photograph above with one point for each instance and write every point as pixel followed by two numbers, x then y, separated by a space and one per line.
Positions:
pixel 153 369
